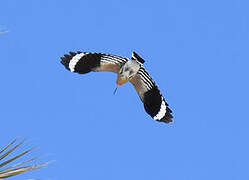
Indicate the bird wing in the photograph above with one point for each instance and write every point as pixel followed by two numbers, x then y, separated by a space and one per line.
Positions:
pixel 154 103
pixel 84 62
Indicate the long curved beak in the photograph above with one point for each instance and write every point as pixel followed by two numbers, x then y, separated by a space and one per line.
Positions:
pixel 115 90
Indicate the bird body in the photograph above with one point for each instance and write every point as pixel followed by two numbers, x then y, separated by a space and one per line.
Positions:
pixel 127 70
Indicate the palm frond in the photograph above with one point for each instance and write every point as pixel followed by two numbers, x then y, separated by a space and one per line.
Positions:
pixel 8 170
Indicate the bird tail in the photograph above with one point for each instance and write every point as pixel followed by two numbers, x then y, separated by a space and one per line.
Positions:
pixel 135 56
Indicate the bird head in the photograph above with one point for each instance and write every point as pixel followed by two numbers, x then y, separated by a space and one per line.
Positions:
pixel 121 79
pixel 127 71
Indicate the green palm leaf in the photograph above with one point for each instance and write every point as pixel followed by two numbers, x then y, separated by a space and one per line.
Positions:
pixel 7 170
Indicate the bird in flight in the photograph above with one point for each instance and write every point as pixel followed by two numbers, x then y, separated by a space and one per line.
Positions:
pixel 128 70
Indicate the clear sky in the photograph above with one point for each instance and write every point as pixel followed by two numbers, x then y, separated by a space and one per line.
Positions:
pixel 196 51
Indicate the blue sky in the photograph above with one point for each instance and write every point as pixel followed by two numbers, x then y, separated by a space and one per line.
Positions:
pixel 196 51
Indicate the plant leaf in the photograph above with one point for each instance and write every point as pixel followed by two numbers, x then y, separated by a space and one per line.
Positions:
pixel 17 156
pixel 21 163
pixel 8 145
pixel 16 171
pixel 12 149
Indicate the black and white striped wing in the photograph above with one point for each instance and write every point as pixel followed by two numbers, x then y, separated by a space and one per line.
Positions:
pixel 154 103
pixel 84 62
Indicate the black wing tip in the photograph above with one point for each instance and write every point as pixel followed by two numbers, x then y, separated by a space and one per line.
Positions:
pixel 65 60
pixel 167 117
pixel 153 102
pixel 137 57
pixel 73 53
